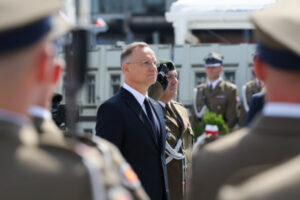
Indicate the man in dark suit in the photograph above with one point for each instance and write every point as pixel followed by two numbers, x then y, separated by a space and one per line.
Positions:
pixel 273 136
pixel 135 123
pixel 257 103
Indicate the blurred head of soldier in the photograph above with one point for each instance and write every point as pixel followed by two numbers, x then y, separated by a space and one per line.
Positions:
pixel 278 51
pixel 171 91
pixel 139 66
pixel 213 66
pixel 26 52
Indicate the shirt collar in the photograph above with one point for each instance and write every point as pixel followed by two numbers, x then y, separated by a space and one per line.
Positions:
pixel 215 83
pixel 162 103
pixel 38 111
pixel 139 97
pixel 259 83
pixel 14 117
pixel 275 109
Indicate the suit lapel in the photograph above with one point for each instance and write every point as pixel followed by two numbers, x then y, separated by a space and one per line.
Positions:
pixel 137 109
pixel 159 114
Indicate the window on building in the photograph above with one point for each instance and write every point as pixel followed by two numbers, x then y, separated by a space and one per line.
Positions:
pixel 90 80
pixel 200 77
pixel 115 83
pixel 229 76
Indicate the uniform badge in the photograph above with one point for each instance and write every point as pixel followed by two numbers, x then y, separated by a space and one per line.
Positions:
pixel 220 97
pixel 129 177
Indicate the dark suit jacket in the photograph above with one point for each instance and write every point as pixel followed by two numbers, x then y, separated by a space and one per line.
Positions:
pixel 257 103
pixel 122 121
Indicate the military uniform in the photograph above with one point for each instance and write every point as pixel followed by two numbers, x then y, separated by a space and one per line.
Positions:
pixel 273 137
pixel 250 88
pixel 178 148
pixel 221 100
pixel 278 183
pixel 118 178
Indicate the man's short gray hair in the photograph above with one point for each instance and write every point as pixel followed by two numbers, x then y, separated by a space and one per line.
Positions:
pixel 127 51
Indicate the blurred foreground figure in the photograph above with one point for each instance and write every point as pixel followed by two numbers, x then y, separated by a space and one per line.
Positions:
pixel 273 136
pixel 280 59
pixel 179 132
pixel 38 163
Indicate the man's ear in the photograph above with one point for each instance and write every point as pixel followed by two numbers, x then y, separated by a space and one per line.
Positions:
pixel 125 68
pixel 260 68
pixel 45 63
pixel 57 71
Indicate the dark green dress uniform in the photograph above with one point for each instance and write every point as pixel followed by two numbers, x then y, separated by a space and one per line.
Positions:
pixel 178 130
pixel 222 100
pixel 118 177
pixel 250 88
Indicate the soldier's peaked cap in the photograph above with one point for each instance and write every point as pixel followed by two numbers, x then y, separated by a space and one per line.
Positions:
pixel 278 28
pixel 23 22
pixel 213 59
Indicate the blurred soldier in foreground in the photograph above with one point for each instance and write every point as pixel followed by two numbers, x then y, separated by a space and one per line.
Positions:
pixel 273 136
pixel 217 95
pixel 44 166
pixel 30 169
pixel 279 66
pixel 179 133
pixel 250 88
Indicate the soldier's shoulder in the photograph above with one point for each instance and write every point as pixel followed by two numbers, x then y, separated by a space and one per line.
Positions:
pixel 202 85
pixel 176 103
pixel 251 83
pixel 229 85
pixel 221 147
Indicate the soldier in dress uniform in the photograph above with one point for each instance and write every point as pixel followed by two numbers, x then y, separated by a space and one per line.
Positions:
pixel 217 95
pixel 179 132
pixel 35 167
pixel 273 136
pixel 250 88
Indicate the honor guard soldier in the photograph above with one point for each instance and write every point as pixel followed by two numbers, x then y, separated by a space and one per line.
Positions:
pixel 217 95
pixel 273 137
pixel 250 88
pixel 39 166
pixel 179 132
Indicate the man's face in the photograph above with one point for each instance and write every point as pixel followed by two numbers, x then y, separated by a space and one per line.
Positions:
pixel 213 73
pixel 140 69
pixel 171 90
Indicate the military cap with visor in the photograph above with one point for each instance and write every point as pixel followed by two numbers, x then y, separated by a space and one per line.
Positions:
pixel 213 59
pixel 23 23
pixel 277 29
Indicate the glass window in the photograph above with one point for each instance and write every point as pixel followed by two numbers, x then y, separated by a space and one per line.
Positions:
pixel 229 76
pixel 115 83
pixel 200 77
pixel 90 80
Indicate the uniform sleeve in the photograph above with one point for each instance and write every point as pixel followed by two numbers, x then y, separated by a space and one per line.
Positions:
pixel 231 109
pixel 109 124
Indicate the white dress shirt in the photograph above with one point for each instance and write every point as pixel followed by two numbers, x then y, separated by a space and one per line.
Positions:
pixel 38 111
pixel 140 98
pixel 274 109
pixel 13 117
pixel 215 83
